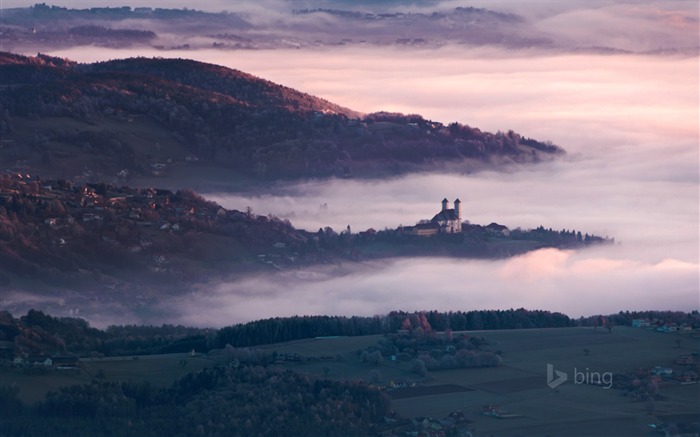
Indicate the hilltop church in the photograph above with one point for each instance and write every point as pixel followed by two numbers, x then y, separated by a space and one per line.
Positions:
pixel 449 220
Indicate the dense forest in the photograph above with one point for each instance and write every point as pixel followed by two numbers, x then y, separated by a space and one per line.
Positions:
pixel 203 114
pixel 218 401
pixel 285 329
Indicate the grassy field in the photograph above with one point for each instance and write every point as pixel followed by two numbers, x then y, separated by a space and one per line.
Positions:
pixel 519 386
pixel 159 370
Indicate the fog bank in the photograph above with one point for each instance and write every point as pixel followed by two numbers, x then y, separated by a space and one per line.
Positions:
pixel 575 283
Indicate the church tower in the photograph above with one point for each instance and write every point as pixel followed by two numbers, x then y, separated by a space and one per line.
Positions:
pixel 444 204
pixel 458 214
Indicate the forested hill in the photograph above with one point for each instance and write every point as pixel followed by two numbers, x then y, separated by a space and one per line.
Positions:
pixel 112 240
pixel 172 117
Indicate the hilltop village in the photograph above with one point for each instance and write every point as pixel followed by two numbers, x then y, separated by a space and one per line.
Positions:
pixel 62 233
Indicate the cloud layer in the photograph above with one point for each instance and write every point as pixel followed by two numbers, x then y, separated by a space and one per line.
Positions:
pixel 576 283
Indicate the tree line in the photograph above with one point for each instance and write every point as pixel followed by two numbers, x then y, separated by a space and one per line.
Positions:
pixel 39 332
pixel 278 329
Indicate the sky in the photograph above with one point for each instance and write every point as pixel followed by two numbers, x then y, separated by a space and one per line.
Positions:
pixel 629 124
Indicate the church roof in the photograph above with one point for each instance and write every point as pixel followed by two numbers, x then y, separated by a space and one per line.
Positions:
pixel 446 215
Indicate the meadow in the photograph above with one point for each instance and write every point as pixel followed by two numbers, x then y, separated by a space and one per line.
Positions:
pixel 518 387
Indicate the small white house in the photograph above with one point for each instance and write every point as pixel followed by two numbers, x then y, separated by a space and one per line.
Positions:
pixel 662 371
pixel 640 323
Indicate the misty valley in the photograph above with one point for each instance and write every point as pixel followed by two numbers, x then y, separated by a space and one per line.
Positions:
pixel 332 218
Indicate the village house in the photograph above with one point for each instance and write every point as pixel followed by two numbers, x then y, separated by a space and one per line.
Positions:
pixel 38 361
pixel 667 327
pixel 425 229
pixel 496 229
pixel 60 362
pixel 662 371
pixel 640 323
pixel 369 234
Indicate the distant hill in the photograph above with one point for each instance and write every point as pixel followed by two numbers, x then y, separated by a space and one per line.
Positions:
pixel 43 27
pixel 136 118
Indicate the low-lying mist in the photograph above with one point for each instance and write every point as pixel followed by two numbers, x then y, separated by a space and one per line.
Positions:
pixel 601 280
pixel 654 263
pixel 629 124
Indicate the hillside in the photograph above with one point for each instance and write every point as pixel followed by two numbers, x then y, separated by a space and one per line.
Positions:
pixel 106 239
pixel 178 120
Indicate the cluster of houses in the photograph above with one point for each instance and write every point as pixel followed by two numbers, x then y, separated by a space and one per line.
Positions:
pixel 93 205
pixel 293 357
pixel 138 219
pixel 661 326
pixel 685 370
pixel 58 362
pixel 287 358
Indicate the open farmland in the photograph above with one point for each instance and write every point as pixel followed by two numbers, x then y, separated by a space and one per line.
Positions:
pixel 518 388
pixel 159 370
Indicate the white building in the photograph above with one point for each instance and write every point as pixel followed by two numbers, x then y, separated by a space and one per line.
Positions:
pixel 449 220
